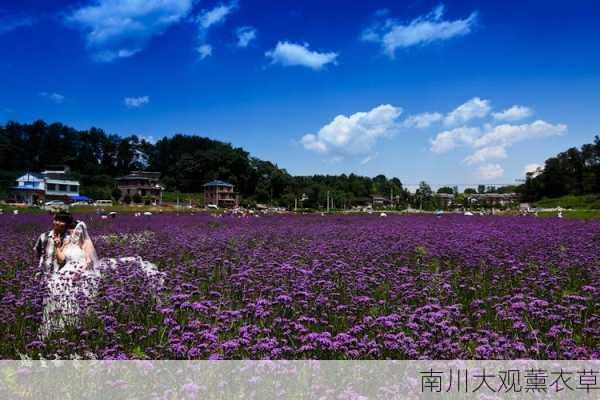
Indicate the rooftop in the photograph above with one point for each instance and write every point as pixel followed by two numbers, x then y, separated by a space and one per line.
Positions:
pixel 59 176
pixel 217 183
pixel 141 175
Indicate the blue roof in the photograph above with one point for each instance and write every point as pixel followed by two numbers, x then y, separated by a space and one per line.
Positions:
pixel 218 183
pixel 26 188
pixel 80 198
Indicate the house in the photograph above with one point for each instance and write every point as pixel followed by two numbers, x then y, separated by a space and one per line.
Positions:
pixel 493 199
pixel 52 184
pixel 445 200
pixel 220 193
pixel 60 185
pixel 140 183
pixel 30 189
pixel 378 200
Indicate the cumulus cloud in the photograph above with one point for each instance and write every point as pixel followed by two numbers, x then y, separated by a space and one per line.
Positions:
pixel 204 50
pixel 448 140
pixel 136 102
pixel 514 113
pixel 392 34
pixel 245 35
pixel 507 134
pixel 474 108
pixel 422 121
pixel 486 154
pixel 216 15
pixel 490 142
pixel 534 169
pixel 291 54
pixel 121 28
pixel 355 134
pixel 490 171
pixel 56 98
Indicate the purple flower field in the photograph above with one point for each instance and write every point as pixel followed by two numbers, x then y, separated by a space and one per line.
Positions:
pixel 333 287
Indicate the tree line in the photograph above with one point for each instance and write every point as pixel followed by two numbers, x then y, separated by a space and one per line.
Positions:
pixel 185 163
pixel 572 172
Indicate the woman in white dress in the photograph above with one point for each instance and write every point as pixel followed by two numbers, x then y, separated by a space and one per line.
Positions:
pixel 75 283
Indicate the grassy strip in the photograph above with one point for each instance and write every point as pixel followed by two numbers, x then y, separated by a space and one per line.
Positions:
pixel 586 202
pixel 574 214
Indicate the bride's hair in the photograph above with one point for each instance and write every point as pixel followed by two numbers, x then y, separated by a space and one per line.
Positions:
pixel 66 217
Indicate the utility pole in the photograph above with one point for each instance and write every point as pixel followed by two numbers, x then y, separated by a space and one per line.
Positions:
pixel 328 201
pixel 178 199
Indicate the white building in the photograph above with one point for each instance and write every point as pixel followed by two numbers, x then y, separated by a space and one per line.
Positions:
pixel 30 189
pixel 56 184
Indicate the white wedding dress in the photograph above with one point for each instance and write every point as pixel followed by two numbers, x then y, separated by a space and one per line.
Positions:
pixel 75 285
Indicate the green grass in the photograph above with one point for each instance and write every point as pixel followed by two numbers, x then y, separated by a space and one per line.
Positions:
pixel 574 214
pixel 121 209
pixel 171 197
pixel 586 202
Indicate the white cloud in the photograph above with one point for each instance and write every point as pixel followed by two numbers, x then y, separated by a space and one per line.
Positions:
pixel 506 134
pixel 290 54
pixel 53 97
pixel 312 142
pixel 490 171
pixel 8 24
pixel 422 121
pixel 428 28
pixel 448 140
pixel 121 28
pixel 514 113
pixel 111 55
pixel 136 102
pixel 534 168
pixel 208 18
pixel 150 139
pixel 486 154
pixel 204 50
pixel 245 35
pixel 216 15
pixel 474 108
pixel 368 159
pixel 356 134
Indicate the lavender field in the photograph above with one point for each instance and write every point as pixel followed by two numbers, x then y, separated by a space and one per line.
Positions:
pixel 333 287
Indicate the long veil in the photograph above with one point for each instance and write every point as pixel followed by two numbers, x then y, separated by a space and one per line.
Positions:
pixel 82 237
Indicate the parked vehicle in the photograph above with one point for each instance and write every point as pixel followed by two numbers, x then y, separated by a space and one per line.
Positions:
pixel 103 203
pixel 54 203
pixel 80 203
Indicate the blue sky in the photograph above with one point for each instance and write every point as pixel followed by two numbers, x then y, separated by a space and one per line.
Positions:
pixel 456 92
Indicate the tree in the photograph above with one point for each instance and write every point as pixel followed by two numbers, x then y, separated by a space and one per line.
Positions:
pixel 424 196
pixel 446 190
pixel 116 194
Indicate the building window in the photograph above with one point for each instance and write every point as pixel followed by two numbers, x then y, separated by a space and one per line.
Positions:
pixel 62 188
pixel 51 186
pixel 73 188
